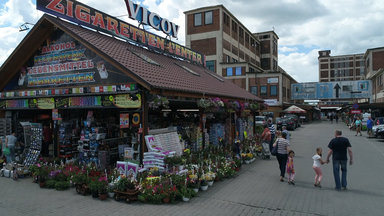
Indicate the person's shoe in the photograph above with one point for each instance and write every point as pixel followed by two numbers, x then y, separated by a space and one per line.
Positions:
pixel 344 188
pixel 319 185
pixel 338 189
pixel 355 134
pixel 292 182
pixel 315 185
pixel 281 179
pixel 361 135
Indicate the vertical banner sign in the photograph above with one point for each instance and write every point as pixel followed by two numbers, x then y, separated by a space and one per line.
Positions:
pixel 84 15
pixel 55 114
pixel 124 120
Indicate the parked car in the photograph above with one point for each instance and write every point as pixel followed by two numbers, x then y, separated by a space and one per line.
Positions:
pixel 260 120
pixel 278 122
pixel 289 123
pixel 295 118
pixel 378 127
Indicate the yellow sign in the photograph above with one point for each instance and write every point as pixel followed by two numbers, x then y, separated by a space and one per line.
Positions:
pixel 46 103
pixel 126 101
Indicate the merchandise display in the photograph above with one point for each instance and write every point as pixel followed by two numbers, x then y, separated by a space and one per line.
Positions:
pixel 33 136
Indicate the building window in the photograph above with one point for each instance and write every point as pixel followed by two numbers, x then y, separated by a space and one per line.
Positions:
pixel 238 71
pixel 208 17
pixel 263 90
pixel 273 90
pixel 241 33
pixel 234 60
pixel 380 80
pixel 228 59
pixel 234 26
pixel 211 65
pixel 226 19
pixel 254 90
pixel 197 19
pixel 229 72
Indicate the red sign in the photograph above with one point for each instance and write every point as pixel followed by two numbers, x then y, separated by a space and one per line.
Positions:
pixel 355 111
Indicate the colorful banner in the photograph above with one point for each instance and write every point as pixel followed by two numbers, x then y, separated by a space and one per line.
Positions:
pixel 62 79
pixel 125 101
pixel 46 103
pixel 124 120
pixel 84 15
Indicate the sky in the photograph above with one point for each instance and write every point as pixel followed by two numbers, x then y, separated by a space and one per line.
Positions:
pixel 304 26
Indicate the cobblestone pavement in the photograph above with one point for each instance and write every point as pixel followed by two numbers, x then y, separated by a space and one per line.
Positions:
pixel 256 191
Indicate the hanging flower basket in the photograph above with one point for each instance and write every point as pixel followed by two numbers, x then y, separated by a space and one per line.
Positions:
pixel 159 102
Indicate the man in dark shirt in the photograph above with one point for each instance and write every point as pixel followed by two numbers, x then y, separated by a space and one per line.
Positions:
pixel 338 148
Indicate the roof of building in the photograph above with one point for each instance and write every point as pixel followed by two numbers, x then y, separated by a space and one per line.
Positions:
pixel 169 74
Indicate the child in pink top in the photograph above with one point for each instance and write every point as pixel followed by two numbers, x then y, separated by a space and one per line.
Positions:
pixel 290 168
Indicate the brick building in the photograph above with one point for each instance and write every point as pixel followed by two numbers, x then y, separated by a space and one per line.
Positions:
pixel 340 68
pixel 250 60
pixel 374 68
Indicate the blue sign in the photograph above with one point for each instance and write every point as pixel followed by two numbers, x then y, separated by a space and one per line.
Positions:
pixel 332 90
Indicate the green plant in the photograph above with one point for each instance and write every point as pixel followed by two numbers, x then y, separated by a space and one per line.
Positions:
pixel 80 178
pixel 62 185
pixel 125 184
pixel 94 185
pixel 187 192
pixel 50 183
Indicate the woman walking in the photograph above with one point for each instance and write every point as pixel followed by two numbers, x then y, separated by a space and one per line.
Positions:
pixel 358 126
pixel 282 154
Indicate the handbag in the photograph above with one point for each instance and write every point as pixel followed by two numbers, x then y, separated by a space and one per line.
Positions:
pixel 6 151
pixel 274 149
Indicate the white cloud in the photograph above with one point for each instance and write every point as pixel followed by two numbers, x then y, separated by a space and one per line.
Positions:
pixel 287 49
pixel 343 26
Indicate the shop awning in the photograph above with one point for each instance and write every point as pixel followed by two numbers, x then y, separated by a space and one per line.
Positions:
pixel 294 109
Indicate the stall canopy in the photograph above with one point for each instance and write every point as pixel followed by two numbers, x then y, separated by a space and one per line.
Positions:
pixel 152 70
pixel 294 109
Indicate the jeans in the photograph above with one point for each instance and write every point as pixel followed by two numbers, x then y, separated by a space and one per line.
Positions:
pixel 282 159
pixel 271 142
pixel 337 164
pixel 11 156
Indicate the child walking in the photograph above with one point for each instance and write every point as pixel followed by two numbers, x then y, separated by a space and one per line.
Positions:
pixel 290 168
pixel 317 162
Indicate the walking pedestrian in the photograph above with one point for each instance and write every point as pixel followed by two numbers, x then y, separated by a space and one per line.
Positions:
pixel 272 129
pixel 331 117
pixel 286 131
pixel 338 148
pixel 369 126
pixel 337 118
pixel 282 154
pixel 290 168
pixel 266 135
pixel 358 126
pixel 317 162
pixel 10 142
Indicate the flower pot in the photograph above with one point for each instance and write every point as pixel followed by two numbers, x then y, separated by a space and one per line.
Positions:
pixel 111 194
pixel 210 183
pixel 185 199
pixel 166 200
pixel 103 196
pixel 196 190
pixel 204 188
pixel 42 183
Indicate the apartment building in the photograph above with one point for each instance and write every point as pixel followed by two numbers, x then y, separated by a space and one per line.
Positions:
pixel 250 60
pixel 340 68
pixel 374 70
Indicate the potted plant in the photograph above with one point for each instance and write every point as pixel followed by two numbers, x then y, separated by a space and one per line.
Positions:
pixel 111 192
pixel 80 180
pixel 42 173
pixel 203 184
pixel 186 193
pixel 94 187
pixel 103 188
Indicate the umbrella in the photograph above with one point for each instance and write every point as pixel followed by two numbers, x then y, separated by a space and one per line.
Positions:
pixel 294 109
